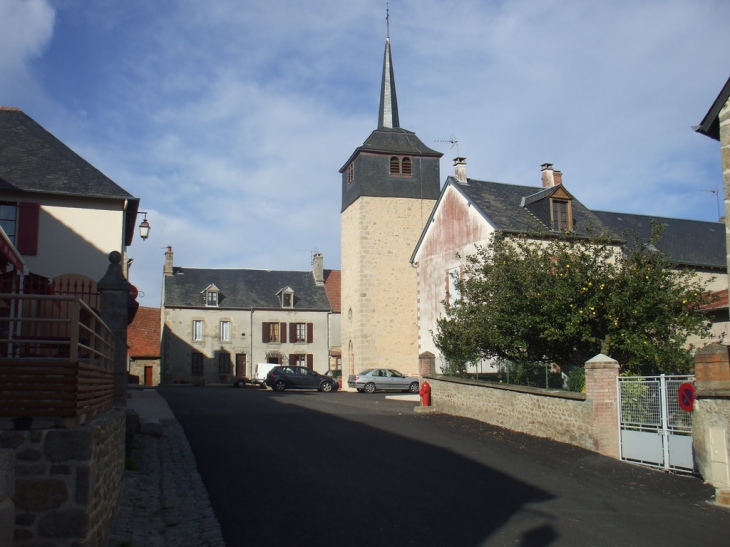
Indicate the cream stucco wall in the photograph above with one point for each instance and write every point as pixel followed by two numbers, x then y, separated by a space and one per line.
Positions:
pixel 379 284
pixel 76 235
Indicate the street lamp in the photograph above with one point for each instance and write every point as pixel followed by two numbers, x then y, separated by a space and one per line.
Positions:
pixel 144 227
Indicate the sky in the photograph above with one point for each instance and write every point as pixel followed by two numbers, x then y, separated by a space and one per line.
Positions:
pixel 230 119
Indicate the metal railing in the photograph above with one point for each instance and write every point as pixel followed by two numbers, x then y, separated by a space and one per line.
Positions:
pixel 56 357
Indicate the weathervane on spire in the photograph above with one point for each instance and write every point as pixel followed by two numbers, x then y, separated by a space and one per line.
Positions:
pixel 387 19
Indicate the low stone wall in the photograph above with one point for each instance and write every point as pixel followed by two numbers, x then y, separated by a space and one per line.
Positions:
pixel 587 420
pixel 563 416
pixel 68 482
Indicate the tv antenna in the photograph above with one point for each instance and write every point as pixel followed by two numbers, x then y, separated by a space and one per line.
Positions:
pixel 311 252
pixel 453 142
pixel 715 191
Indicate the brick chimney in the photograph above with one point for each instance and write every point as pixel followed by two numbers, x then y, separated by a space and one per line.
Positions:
pixel 318 268
pixel 460 169
pixel 558 177
pixel 168 262
pixel 548 175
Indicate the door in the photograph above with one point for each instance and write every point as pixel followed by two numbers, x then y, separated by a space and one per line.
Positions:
pixel 240 364
pixel 148 376
pixel 397 380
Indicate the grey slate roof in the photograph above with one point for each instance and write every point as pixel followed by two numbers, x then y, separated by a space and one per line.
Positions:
pixel 243 289
pixel 687 242
pixel 393 141
pixel 33 160
pixel 501 204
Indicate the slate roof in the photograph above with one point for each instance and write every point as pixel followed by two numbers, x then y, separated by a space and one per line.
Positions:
pixel 33 160
pixel 396 140
pixel 710 124
pixel 502 205
pixel 243 289
pixel 143 333
pixel 525 210
pixel 694 243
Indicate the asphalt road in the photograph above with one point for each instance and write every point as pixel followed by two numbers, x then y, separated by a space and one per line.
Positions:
pixel 350 469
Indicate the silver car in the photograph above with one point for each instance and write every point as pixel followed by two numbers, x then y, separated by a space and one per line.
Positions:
pixel 382 378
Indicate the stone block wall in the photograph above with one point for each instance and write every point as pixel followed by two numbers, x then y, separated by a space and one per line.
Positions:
pixel 587 420
pixel 68 482
pixel 711 416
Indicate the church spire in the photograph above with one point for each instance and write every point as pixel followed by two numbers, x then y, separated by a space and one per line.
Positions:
pixel 388 117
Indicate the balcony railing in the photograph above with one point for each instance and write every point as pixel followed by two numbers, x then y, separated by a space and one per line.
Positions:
pixel 56 357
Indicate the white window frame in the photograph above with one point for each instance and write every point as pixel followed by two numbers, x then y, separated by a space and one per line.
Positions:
pixel 225 331
pixel 211 299
pixel 198 330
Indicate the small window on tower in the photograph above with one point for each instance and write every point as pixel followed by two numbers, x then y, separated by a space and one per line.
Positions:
pixel 394 166
pixel 406 166
pixel 351 173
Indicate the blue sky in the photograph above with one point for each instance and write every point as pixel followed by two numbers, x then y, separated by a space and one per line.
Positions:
pixel 231 118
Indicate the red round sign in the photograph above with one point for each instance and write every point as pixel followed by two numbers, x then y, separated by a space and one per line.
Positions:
pixel 686 396
pixel 133 292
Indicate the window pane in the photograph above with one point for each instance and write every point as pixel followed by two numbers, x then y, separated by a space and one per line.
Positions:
pixel 225 331
pixel 197 331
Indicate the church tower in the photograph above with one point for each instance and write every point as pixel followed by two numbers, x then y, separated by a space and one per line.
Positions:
pixel 389 187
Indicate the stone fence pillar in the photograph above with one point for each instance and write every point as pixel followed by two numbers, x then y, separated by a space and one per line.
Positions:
pixel 114 301
pixel 711 417
pixel 602 392
pixel 427 364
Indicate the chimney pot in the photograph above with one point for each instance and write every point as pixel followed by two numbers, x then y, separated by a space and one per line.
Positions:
pixel 460 169
pixel 547 175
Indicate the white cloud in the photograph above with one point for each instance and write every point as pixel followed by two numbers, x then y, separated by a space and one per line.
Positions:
pixel 231 119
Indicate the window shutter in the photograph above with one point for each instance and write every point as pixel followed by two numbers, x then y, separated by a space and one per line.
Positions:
pixel 310 361
pixel 282 332
pixel 265 333
pixel 27 234
pixel 406 166
pixel 293 332
pixel 310 333
pixel 292 359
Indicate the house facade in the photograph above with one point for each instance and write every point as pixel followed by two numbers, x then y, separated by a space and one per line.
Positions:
pixel 469 211
pixel 62 214
pixel 218 323
pixel 389 187
pixel 143 347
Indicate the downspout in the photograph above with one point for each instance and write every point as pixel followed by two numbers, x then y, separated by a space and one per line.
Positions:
pixel 250 344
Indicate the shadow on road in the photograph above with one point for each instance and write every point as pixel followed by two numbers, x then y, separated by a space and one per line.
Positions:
pixel 281 474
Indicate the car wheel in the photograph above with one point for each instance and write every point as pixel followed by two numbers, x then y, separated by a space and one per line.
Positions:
pixel 326 387
pixel 413 388
pixel 239 384
pixel 369 387
pixel 359 390
pixel 262 385
pixel 279 385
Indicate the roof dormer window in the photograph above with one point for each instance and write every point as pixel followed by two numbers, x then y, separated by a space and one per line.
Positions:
pixel 286 297
pixel 351 173
pixel 211 293
pixel 562 215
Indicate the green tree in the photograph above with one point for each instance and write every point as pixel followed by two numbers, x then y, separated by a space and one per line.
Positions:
pixel 566 299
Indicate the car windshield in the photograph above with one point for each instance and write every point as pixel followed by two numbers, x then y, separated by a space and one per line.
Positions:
pixel 395 373
pixel 366 371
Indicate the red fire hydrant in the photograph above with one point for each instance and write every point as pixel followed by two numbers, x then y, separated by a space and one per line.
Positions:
pixel 425 393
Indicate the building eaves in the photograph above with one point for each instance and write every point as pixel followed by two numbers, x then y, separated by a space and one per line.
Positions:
pixel 710 124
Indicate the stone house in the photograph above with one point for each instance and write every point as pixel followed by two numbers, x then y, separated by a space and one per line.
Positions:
pixel 469 211
pixel 143 347
pixel 218 323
